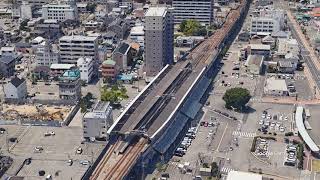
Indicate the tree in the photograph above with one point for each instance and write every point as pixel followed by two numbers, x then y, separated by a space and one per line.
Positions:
pixel 91 7
pixel 236 98
pixel 214 169
pixel 113 94
pixel 192 28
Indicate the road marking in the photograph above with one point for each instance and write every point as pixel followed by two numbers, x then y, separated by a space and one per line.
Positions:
pixel 225 129
pixel 226 170
pixel 244 134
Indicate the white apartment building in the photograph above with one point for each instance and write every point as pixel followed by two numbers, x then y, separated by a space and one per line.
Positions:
pixel 73 47
pixel 267 21
pixel 45 55
pixel 86 67
pixel 97 122
pixel 137 35
pixel 158 39
pixel 200 10
pixel 60 12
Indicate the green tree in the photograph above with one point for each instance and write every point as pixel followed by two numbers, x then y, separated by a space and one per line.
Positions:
pixel 113 94
pixel 214 169
pixel 91 7
pixel 236 98
pixel 192 28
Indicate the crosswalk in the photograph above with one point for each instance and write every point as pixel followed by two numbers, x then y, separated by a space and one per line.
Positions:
pixel 244 134
pixel 226 170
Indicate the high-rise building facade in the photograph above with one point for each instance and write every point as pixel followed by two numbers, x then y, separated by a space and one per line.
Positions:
pixel 200 10
pixel 158 39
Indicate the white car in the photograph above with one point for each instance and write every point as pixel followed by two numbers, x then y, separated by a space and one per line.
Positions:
pixel 269 116
pixel 79 150
pixel 261 122
pixel 263 116
pixel 280 117
pixel 286 118
pixel 281 129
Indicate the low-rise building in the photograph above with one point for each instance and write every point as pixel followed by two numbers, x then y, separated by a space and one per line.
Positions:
pixel 16 89
pixel 59 69
pixel 7 65
pixel 286 46
pixel 276 87
pixel 86 67
pixel 122 55
pixel 119 26
pixel 254 64
pixel 287 65
pixel 70 85
pixel 109 69
pixel 137 34
pixel 97 122
pixel 259 49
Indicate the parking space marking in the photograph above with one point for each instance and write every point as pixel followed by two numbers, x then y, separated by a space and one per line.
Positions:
pixel 243 134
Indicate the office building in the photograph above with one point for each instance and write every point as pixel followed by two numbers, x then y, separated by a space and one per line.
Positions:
pixel 97 122
pixel 46 55
pixel 70 85
pixel 59 12
pixel 267 21
pixel 200 10
pixel 158 39
pixel 86 67
pixel 74 47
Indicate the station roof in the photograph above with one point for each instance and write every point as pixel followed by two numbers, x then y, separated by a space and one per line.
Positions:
pixel 303 132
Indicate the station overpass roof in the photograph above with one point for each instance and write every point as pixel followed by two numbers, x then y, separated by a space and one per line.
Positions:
pixel 303 132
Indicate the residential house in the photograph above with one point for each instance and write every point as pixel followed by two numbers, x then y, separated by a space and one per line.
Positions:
pixel 16 89
pixel 118 26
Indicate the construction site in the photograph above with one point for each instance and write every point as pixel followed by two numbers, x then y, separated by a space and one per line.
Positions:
pixel 34 112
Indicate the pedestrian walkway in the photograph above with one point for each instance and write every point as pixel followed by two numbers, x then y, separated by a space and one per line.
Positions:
pixel 244 134
pixel 226 170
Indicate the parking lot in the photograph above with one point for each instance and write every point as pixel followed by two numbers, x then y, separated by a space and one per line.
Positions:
pixel 49 153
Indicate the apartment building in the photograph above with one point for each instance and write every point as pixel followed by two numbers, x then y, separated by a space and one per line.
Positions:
pixel 158 39
pixel 267 21
pixel 97 122
pixel 70 85
pixel 200 10
pixel 60 12
pixel 46 55
pixel 74 47
pixel 86 67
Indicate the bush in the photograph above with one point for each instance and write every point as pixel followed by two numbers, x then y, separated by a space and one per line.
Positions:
pixel 288 134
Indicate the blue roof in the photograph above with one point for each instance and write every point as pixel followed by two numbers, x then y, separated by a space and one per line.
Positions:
pixel 125 77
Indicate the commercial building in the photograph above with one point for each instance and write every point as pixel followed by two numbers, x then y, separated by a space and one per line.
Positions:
pixel 158 39
pixel 70 85
pixel 97 122
pixel 286 46
pixel 137 35
pixel 86 67
pixel 59 69
pixel 259 49
pixel 254 64
pixel 74 47
pixel 59 12
pixel 46 55
pixel 276 87
pixel 267 21
pixel 109 69
pixel 200 10
pixel 16 89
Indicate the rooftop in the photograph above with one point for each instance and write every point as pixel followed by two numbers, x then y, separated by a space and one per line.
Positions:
pixel 62 66
pixel 303 132
pixel 254 60
pixel 109 62
pixel 123 48
pixel 16 82
pixel 259 46
pixel 156 11
pixel 238 175
pixel 72 74
pixel 276 85
pixel 137 30
pixel 78 38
